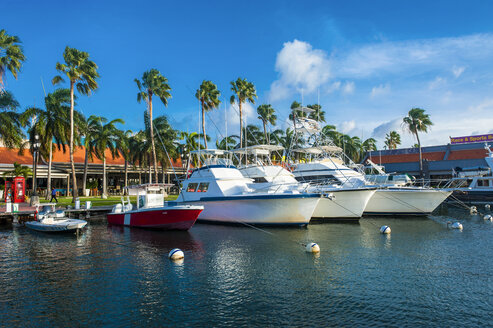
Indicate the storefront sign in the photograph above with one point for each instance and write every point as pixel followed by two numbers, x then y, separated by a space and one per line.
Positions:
pixel 469 139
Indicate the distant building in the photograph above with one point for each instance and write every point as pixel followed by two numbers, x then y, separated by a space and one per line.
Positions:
pixel 439 162
pixel 61 170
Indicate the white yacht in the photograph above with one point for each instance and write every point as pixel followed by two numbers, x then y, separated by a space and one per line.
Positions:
pixel 338 203
pixel 227 196
pixel 324 164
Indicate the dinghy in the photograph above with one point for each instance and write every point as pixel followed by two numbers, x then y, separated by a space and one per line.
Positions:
pixel 49 220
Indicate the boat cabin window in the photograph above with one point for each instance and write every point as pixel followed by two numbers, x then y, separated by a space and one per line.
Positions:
pixel 329 179
pixel 203 187
pixel 191 187
pixel 483 183
pixel 259 180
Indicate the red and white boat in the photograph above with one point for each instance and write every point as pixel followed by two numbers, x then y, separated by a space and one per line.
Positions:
pixel 152 212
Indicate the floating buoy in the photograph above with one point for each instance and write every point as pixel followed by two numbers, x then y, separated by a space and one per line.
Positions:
pixel 487 207
pixel 176 254
pixel 473 210
pixel 313 248
pixel 455 225
pixel 488 217
pixel 385 229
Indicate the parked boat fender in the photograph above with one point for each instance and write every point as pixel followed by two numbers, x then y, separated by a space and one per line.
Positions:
pixel 487 207
pixel 176 254
pixel 385 229
pixel 488 217
pixel 312 248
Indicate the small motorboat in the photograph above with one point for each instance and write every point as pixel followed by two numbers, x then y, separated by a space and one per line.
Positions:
pixel 51 220
pixel 152 212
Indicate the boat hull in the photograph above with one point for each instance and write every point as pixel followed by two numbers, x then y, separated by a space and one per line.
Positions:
pixel 405 201
pixel 59 225
pixel 343 205
pixel 163 218
pixel 259 210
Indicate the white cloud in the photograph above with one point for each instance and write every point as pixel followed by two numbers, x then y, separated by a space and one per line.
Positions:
pixel 347 126
pixel 380 90
pixel 486 104
pixel 299 67
pixel 437 83
pixel 414 55
pixel 381 130
pixel 348 88
pixel 458 70
pixel 334 87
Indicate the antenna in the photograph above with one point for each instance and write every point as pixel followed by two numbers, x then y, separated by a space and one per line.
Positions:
pixel 42 84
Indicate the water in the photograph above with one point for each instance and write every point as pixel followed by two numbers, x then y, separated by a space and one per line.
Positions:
pixel 423 274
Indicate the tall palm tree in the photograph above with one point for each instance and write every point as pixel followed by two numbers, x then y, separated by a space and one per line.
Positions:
pixel 417 121
pixel 153 83
pixel 82 74
pixel 11 56
pixel 266 114
pixel 369 144
pixel 91 130
pixel 318 114
pixel 166 136
pixel 243 91
pixel 10 122
pixel 109 137
pixel 52 124
pixel 330 131
pixel 208 95
pixel 392 140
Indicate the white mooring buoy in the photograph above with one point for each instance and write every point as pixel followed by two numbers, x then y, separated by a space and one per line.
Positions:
pixel 455 225
pixel 487 207
pixel 488 217
pixel 176 254
pixel 312 248
pixel 473 210
pixel 385 229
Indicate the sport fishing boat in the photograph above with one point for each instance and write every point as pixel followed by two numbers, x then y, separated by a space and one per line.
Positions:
pixel 338 202
pixel 227 196
pixel 50 220
pixel 324 165
pixel 473 184
pixel 152 212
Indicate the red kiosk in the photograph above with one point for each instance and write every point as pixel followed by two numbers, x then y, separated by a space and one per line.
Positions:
pixel 15 190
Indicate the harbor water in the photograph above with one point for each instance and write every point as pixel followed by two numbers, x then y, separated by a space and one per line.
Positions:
pixel 421 275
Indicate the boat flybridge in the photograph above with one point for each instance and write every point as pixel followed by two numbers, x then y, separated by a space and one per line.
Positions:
pixel 325 164
pixel 473 184
pixel 338 202
pixel 228 196
pixel 152 212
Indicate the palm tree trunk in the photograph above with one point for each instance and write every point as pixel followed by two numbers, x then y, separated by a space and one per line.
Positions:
pixel 71 146
pixel 48 185
pixel 265 133
pixel 84 179
pixel 241 124
pixel 126 175
pixel 104 177
pixel 420 156
pixel 152 137
pixel 203 124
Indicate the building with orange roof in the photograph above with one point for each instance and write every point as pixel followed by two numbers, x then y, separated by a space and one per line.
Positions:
pixel 61 170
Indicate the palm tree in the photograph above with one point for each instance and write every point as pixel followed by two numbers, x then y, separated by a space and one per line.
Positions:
pixel 109 137
pixel 91 130
pixel 417 121
pixel 11 56
pixel 243 91
pixel 318 114
pixel 52 124
pixel 166 136
pixel 19 171
pixel 208 95
pixel 331 132
pixel 82 74
pixel 392 139
pixel 228 142
pixel 153 83
pixel 266 114
pixel 10 122
pixel 253 135
pixel 369 144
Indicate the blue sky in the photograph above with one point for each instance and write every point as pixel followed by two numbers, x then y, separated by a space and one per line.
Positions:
pixel 368 62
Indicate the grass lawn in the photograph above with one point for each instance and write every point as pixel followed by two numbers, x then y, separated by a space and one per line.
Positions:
pixel 98 201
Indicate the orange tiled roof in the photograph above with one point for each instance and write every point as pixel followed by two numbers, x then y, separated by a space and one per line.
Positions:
pixel 9 156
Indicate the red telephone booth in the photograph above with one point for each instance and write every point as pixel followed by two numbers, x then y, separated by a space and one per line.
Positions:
pixel 15 190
